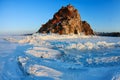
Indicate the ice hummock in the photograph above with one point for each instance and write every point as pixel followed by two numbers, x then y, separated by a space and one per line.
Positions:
pixel 61 57
pixel 39 70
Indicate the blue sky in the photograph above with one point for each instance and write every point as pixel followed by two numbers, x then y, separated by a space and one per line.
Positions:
pixel 26 16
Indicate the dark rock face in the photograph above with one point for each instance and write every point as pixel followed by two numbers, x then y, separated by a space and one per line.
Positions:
pixel 86 28
pixel 66 21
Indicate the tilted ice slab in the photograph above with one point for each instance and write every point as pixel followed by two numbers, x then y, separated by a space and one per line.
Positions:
pixel 90 45
pixel 44 52
pixel 39 70
pixel 22 60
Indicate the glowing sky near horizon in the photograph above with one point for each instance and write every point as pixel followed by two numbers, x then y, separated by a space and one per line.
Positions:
pixel 26 16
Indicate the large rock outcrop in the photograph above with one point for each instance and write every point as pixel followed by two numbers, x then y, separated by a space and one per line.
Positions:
pixel 86 28
pixel 66 21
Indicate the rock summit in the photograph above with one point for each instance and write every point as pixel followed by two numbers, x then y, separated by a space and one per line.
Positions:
pixel 66 21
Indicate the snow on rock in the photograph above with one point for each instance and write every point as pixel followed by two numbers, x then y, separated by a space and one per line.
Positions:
pixel 43 71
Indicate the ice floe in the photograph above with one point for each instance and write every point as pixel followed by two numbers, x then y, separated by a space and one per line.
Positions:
pixel 44 52
pixel 43 71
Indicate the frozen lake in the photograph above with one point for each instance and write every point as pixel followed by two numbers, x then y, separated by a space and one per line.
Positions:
pixel 59 57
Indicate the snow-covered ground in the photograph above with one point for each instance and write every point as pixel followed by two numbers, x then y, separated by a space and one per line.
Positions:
pixel 59 57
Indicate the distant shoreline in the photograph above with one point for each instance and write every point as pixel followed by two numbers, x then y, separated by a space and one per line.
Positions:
pixel 108 34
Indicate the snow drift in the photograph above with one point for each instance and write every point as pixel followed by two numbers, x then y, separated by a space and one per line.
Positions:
pixel 61 57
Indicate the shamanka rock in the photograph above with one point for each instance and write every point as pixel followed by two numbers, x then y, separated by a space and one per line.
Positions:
pixel 66 21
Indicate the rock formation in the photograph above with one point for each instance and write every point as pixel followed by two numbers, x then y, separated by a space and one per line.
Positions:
pixel 86 28
pixel 66 21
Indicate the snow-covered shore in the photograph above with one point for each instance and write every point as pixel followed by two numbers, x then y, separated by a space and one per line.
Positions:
pixel 65 57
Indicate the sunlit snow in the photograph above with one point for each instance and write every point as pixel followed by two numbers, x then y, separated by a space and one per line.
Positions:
pixel 59 57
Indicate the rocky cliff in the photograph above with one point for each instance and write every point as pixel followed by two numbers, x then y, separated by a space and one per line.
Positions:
pixel 66 21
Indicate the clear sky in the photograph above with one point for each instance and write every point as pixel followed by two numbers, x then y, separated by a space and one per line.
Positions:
pixel 23 16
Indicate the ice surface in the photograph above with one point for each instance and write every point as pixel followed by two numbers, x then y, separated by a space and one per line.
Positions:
pixel 43 52
pixel 22 60
pixel 116 76
pixel 64 57
pixel 40 70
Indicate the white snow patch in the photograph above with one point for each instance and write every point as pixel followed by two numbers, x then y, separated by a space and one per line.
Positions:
pixel 44 52
pixel 43 71
pixel 22 60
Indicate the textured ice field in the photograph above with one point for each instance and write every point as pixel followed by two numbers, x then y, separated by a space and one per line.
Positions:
pixel 59 57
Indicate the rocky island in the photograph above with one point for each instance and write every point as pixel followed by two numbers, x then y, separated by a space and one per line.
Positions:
pixel 66 21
